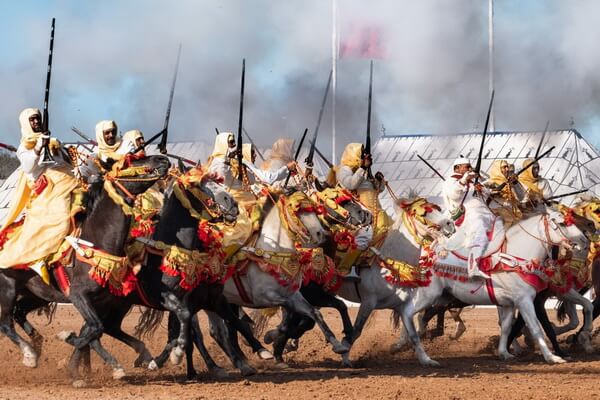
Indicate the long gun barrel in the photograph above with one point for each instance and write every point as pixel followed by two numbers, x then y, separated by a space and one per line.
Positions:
pixel 254 145
pixel 539 148
pixel 47 157
pixel 84 136
pixel 240 122
pixel 431 167
pixel 566 194
pixel 313 143
pixel 325 160
pixel 8 147
pixel 163 141
pixel 297 153
pixel 367 149
pixel 485 128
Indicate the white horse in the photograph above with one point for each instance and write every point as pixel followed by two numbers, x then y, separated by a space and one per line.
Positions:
pixel 531 239
pixel 261 289
pixel 375 292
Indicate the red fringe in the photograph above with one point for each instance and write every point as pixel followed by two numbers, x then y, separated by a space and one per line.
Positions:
pixel 9 229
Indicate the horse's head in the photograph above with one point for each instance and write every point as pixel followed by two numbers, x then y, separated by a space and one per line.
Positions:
pixel 424 219
pixel 589 208
pixel 584 224
pixel 340 206
pixel 561 229
pixel 134 175
pixel 301 215
pixel 208 189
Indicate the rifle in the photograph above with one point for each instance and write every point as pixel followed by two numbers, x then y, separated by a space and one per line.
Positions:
pixel 47 157
pixel 432 168
pixel 239 135
pixel 367 148
pixel 162 146
pixel 217 130
pixel 525 168
pixel 485 128
pixel 252 142
pixel 182 159
pixel 325 160
pixel 313 142
pixel 296 156
pixel 565 194
pixel 8 147
pixel 537 152
pixel 84 136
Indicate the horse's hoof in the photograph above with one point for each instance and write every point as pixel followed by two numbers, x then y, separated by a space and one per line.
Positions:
pixel 506 356
pixel 176 355
pixel 430 363
pixel 30 361
pixel 118 373
pixel 554 359
pixel 79 384
pixel 64 335
pixel 219 373
pixel 265 354
pixel 346 363
pixel 152 366
pixel 271 336
pixel 281 365
pixel 247 370
pixel 339 348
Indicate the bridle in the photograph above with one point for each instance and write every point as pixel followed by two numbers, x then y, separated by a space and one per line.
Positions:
pixel 420 228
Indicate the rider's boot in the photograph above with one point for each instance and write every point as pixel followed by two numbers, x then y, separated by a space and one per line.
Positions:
pixel 353 275
pixel 473 266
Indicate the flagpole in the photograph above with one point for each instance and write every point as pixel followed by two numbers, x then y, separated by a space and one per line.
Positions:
pixel 491 57
pixel 334 54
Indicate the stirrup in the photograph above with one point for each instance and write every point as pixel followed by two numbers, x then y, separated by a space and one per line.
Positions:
pixel 40 269
pixel 352 275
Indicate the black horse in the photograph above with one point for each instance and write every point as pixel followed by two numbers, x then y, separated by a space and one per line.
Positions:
pixel 106 226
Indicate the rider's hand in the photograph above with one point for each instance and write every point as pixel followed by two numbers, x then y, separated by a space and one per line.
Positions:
pixel 478 187
pixel 513 179
pixel 379 176
pixel 366 161
pixel 467 177
pixel 291 166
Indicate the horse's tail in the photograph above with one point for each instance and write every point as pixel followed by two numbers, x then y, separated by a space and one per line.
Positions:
pixel 395 319
pixel 561 311
pixel 596 276
pixel 261 319
pixel 148 322
pixel 49 310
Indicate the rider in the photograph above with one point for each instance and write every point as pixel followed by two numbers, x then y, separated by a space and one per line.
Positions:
pixel 470 211
pixel 537 188
pixel 108 147
pixel 509 200
pixel 132 140
pixel 44 193
pixel 281 155
pixel 353 174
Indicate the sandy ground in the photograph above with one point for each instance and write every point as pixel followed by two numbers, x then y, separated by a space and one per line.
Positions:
pixel 468 369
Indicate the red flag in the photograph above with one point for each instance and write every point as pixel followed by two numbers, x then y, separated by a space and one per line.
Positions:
pixel 362 42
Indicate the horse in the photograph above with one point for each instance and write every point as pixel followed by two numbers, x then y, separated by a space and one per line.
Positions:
pixel 382 287
pixel 105 227
pixel 529 242
pixel 177 276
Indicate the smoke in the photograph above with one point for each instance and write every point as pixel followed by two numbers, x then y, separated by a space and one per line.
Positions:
pixel 115 60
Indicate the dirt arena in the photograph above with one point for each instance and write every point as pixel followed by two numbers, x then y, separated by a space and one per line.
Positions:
pixel 468 369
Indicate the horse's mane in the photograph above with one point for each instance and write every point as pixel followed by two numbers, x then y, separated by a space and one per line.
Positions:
pixel 93 195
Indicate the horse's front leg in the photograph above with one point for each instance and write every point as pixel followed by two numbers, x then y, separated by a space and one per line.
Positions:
pixel 584 336
pixel 298 303
pixel 506 314
pixel 174 304
pixel 527 310
pixel 407 311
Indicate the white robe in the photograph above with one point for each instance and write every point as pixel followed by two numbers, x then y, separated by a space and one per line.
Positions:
pixel 478 218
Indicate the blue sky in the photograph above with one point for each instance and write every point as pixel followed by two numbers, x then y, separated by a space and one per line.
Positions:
pixel 114 60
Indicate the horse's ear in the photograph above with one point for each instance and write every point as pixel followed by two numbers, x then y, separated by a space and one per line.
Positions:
pixel 108 164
